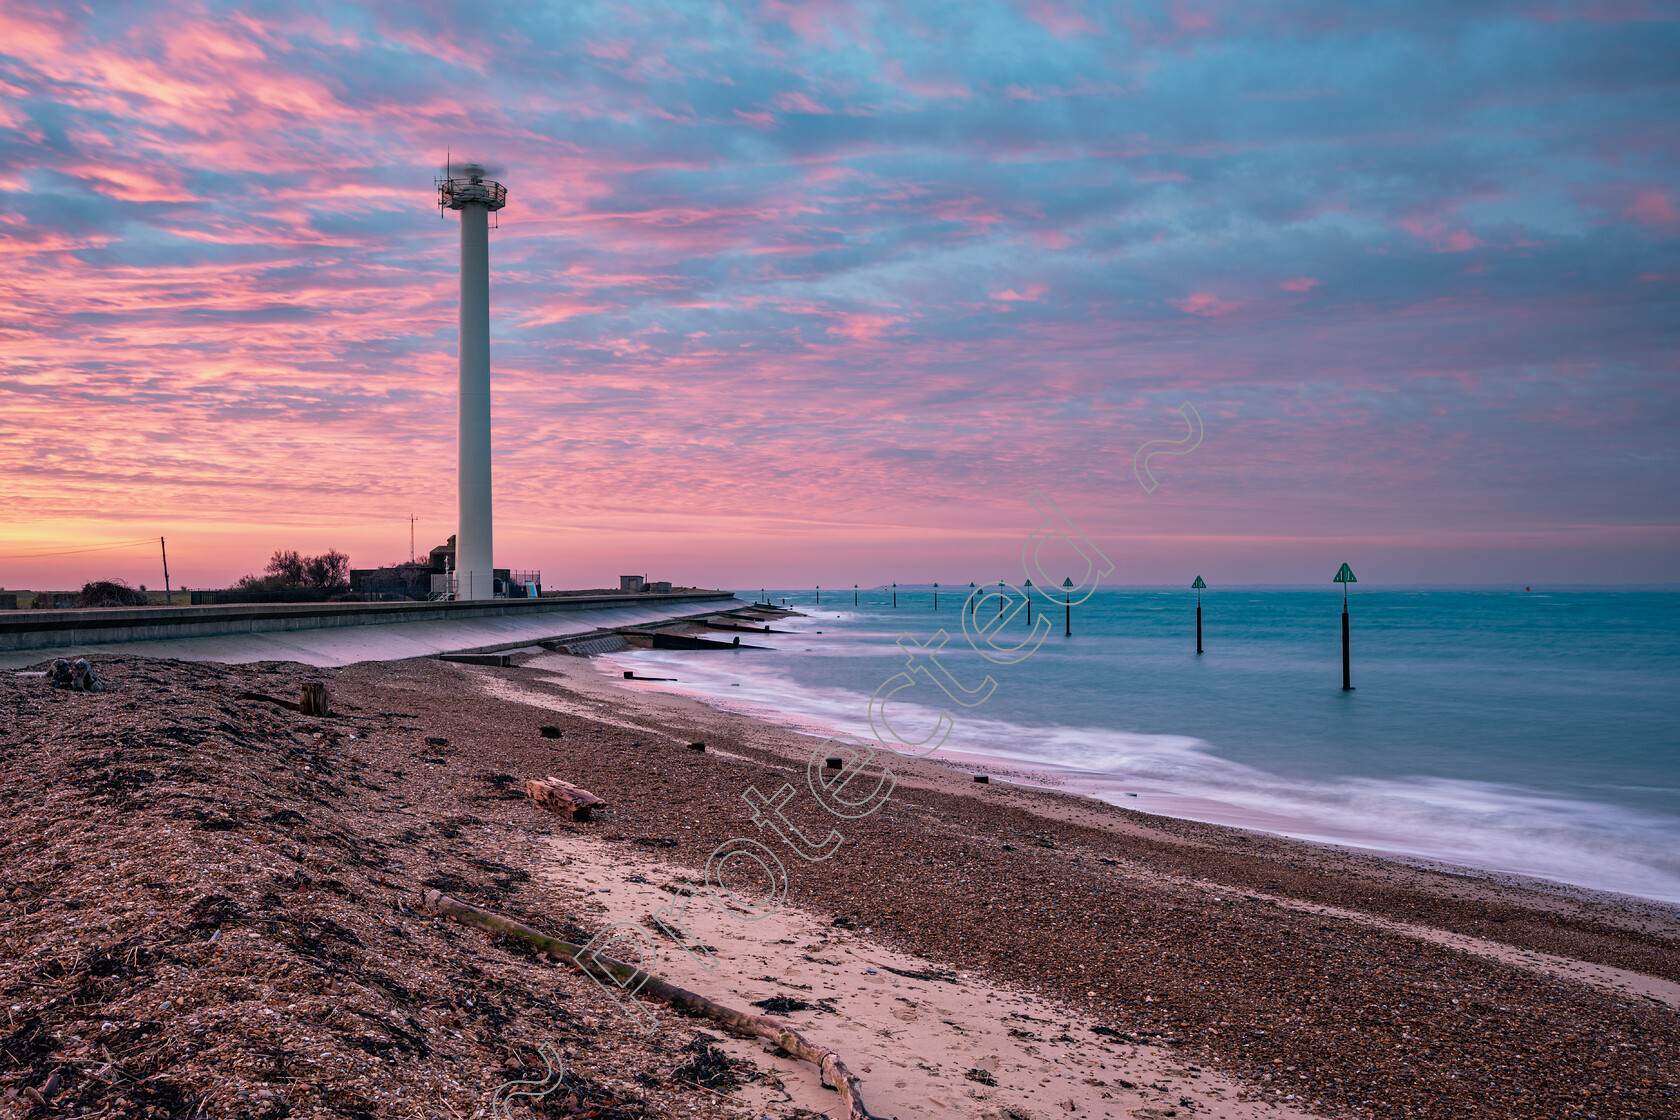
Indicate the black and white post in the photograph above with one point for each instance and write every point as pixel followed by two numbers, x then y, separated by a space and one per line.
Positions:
pixel 1198 585
pixel 1345 577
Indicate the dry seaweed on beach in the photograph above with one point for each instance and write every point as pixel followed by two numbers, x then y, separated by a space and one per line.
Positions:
pixel 209 908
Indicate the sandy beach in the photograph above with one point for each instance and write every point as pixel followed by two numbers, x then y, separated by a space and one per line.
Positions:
pixel 1001 950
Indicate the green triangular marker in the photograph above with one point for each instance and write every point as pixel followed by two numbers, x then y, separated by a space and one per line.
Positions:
pixel 1345 576
pixel 1198 585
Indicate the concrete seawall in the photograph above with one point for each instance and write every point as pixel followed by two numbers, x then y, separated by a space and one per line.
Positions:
pixel 333 633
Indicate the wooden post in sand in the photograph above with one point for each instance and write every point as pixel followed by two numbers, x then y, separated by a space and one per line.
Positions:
pixel 314 699
pixel 1345 577
pixel 1198 585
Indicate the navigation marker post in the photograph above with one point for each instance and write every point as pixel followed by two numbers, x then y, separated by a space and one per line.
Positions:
pixel 1067 603
pixel 1345 577
pixel 1198 585
pixel 1029 604
pixel 936 596
pixel 895 596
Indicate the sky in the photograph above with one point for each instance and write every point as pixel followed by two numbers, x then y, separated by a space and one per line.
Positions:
pixel 794 294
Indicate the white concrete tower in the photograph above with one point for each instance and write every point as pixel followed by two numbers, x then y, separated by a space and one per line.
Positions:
pixel 475 197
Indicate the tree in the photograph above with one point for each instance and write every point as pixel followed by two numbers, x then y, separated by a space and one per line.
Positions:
pixel 285 569
pixel 110 593
pixel 330 569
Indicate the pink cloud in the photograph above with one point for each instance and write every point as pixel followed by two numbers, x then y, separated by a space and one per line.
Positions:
pixel 862 327
pixel 1187 17
pixel 1062 19
pixel 1204 303
pixel 893 72
pixel 1653 208
pixel 1010 295
pixel 760 119
pixel 1299 284
pixel 1439 234
pixel 814 20
pixel 793 102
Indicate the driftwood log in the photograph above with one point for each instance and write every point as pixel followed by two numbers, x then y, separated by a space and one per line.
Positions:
pixel 563 797
pixel 267 699
pixel 312 701
pixel 737 1023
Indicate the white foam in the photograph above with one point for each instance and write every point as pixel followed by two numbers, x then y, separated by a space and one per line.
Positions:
pixel 1480 824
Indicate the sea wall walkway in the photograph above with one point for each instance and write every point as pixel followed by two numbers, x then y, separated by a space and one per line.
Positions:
pixel 328 634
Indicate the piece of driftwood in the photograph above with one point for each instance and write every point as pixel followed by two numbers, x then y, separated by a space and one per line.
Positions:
pixel 313 701
pixel 563 797
pixel 267 699
pixel 737 1023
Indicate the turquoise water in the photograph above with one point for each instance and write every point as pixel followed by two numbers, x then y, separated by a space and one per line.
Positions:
pixel 1536 732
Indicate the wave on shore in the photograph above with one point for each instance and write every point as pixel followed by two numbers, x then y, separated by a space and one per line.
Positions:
pixel 1493 826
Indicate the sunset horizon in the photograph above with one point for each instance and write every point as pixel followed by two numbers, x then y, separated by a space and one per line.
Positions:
pixel 810 296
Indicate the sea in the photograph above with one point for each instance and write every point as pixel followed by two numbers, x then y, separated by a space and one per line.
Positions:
pixel 1531 731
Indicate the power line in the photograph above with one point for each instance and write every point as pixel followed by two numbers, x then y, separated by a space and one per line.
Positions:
pixel 76 551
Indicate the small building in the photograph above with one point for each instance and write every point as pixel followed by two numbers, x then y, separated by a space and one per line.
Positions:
pixel 661 588
pixel 431 578
pixel 632 583
pixel 399 581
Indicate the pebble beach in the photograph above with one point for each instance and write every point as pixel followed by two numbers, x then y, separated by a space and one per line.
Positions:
pixel 211 906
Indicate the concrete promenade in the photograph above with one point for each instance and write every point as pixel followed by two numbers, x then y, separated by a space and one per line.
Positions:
pixel 331 634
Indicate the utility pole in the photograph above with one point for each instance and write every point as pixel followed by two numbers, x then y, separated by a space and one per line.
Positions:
pixel 411 520
pixel 167 596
